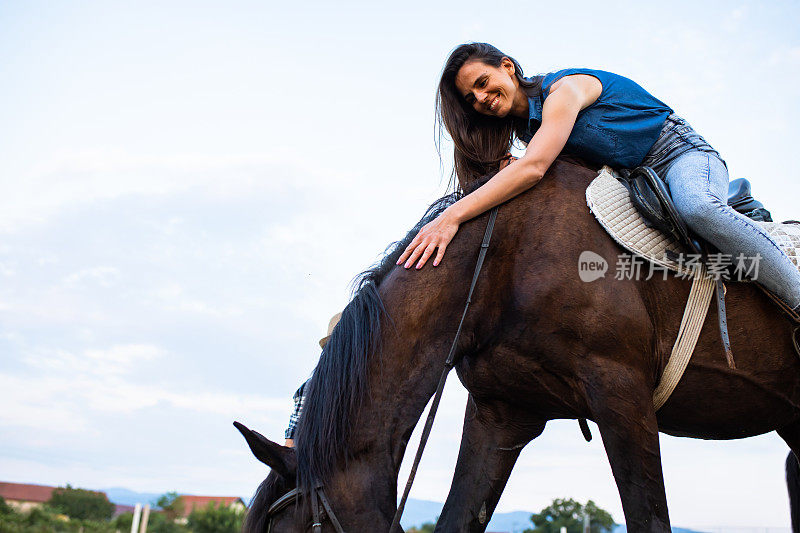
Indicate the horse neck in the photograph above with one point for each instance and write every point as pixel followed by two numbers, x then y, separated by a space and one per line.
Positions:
pixel 414 349
pixel 401 380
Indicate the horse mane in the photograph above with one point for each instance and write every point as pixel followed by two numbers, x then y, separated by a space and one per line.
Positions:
pixel 339 382
pixel 256 519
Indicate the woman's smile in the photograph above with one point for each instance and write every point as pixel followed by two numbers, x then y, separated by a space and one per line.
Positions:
pixel 489 90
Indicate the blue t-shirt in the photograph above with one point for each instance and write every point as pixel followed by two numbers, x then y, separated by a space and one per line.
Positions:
pixel 618 129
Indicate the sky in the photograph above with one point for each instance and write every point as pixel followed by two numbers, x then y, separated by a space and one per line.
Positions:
pixel 188 189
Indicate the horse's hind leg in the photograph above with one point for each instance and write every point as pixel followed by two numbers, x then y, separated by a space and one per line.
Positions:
pixel 624 412
pixel 489 449
pixel 791 435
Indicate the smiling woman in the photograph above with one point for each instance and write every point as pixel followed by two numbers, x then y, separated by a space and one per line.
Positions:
pixel 485 104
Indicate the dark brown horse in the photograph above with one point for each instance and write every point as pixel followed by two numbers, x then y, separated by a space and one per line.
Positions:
pixel 538 344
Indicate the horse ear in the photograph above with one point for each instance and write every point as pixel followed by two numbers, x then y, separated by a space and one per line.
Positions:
pixel 279 458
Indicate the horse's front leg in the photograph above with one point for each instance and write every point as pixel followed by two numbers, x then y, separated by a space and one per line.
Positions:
pixel 489 449
pixel 622 405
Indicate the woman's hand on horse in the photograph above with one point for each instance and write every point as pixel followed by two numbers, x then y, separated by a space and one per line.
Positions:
pixel 435 235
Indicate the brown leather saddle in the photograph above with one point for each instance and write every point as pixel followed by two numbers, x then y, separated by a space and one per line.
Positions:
pixel 651 197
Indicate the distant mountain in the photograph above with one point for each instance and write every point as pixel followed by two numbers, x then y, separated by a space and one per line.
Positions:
pixel 513 522
pixel 122 496
pixel 417 512
pixel 620 528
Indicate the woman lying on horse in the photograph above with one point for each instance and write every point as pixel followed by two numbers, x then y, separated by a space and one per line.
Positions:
pixel 485 103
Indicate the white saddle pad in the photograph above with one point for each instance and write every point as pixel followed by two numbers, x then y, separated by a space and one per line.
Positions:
pixel 610 203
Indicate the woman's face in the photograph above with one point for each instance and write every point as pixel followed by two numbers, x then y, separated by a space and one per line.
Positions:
pixel 489 90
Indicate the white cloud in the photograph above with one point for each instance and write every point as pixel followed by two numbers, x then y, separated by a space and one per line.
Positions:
pixel 108 363
pixel 174 298
pixel 66 390
pixel 104 276
pixel 733 20
pixel 787 56
pixel 76 179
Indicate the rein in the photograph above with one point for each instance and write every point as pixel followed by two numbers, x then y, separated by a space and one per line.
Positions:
pixel 448 365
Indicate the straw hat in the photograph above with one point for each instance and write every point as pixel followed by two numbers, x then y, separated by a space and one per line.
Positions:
pixel 332 324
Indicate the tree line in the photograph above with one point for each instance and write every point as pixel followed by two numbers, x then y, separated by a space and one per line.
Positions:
pixel 73 510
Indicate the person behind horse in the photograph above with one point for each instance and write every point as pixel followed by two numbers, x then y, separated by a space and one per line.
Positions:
pixel 485 103
pixel 300 394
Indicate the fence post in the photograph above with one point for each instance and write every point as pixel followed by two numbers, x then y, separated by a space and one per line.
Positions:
pixel 145 517
pixel 137 511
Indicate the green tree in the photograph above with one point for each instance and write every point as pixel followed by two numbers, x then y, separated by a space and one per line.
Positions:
pixel 5 509
pixel 10 520
pixel 159 523
pixel 427 527
pixel 47 520
pixel 123 522
pixel 569 513
pixel 171 504
pixel 81 503
pixel 216 519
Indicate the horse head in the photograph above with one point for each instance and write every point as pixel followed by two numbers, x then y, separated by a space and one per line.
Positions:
pixel 279 506
pixel 264 514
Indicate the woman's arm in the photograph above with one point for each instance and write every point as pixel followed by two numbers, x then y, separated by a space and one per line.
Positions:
pixel 567 97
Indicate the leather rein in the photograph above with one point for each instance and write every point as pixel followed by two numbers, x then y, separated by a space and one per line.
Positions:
pixel 317 493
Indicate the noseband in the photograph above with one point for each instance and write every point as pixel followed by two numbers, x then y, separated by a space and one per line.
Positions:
pixel 319 515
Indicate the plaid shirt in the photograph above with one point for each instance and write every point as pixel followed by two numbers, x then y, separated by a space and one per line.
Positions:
pixel 299 398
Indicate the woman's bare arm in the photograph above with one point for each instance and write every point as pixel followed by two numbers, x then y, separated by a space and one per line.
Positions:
pixel 566 99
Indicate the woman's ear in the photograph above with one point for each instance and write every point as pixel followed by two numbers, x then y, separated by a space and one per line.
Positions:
pixel 508 65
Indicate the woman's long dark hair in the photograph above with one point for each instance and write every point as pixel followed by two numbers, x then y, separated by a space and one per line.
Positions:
pixel 481 141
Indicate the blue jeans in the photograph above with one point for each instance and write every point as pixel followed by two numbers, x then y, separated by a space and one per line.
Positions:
pixel 698 181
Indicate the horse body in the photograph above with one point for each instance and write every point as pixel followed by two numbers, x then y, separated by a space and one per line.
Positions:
pixel 570 349
pixel 540 344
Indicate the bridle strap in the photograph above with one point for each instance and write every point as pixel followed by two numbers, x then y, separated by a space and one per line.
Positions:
pixel 328 509
pixel 316 527
pixel 283 501
pixel 448 365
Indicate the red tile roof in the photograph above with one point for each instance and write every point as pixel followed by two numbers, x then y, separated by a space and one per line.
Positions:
pixel 190 503
pixel 24 492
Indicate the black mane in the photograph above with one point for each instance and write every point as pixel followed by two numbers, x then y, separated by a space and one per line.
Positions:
pixel 272 488
pixel 339 382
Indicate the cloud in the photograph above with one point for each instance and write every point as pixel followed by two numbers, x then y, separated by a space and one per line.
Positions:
pixel 786 56
pixel 62 391
pixel 73 180
pixel 104 276
pixel 108 363
pixel 733 20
